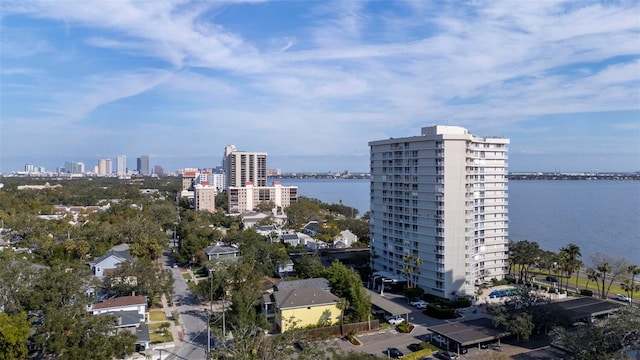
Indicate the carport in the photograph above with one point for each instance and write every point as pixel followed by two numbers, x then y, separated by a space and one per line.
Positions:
pixel 388 305
pixel 585 308
pixel 466 333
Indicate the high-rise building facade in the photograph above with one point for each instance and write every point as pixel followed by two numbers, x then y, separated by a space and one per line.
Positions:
pixel 204 198
pixel 242 167
pixel 72 167
pixel 439 210
pixel 102 167
pixel 109 166
pixel 143 165
pixel 246 198
pixel 121 165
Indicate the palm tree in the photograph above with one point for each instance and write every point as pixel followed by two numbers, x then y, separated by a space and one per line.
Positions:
pixel 593 275
pixel 634 270
pixel 569 261
pixel 603 269
pixel 342 305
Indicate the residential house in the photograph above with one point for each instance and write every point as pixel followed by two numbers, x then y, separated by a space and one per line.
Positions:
pixel 109 261
pixel 345 239
pixel 219 252
pixel 312 228
pixel 284 269
pixel 314 245
pixel 130 313
pixel 301 307
pixel 134 304
pixel 291 239
pixel 267 230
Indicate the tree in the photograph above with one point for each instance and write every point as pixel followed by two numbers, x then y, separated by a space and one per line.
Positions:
pixel 14 333
pixel 525 254
pixel 410 269
pixel 609 339
pixel 308 267
pixel 346 283
pixel 569 262
pixel 343 305
pixel 609 268
pixel 141 276
pixel 634 270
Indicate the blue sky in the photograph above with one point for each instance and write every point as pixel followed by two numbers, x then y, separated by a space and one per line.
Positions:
pixel 312 82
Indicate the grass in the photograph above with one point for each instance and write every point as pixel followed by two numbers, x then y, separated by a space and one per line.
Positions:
pixel 157 315
pixel 186 276
pixel 156 337
pixel 582 283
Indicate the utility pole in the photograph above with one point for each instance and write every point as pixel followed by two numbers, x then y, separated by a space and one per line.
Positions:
pixel 209 314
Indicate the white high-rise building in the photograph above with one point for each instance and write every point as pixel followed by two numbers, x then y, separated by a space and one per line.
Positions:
pixel 246 198
pixel 242 167
pixel 440 197
pixel 109 166
pixel 102 167
pixel 121 165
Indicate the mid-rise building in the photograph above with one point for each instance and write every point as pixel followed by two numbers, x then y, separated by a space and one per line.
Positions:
pixel 158 170
pixel 204 198
pixel 72 167
pixel 188 178
pixel 439 210
pixel 246 198
pixel 121 165
pixel 143 165
pixel 242 167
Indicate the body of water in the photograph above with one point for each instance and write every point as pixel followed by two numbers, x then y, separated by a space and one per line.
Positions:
pixel 598 216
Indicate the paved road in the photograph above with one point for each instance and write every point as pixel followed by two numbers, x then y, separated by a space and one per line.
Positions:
pixel 193 320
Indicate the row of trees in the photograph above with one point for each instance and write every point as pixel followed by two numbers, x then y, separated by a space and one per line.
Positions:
pixel 605 270
pixel 525 314
pixel 45 309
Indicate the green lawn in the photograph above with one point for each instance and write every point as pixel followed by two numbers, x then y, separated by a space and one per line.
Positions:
pixel 157 315
pixel 186 276
pixel 582 283
pixel 156 336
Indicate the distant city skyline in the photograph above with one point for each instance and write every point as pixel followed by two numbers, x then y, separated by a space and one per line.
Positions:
pixel 311 83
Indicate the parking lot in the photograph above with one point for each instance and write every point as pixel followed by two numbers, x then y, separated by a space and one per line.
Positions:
pixel 378 342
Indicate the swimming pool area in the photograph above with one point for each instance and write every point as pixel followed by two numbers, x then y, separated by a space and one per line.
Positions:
pixel 503 293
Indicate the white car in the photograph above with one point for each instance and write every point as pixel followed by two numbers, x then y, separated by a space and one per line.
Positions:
pixel 395 320
pixel 623 298
pixel 420 304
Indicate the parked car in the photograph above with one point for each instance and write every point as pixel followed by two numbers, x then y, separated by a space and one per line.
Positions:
pixel 552 279
pixel 420 304
pixel 395 353
pixel 447 355
pixel 415 347
pixel 621 297
pixel 395 320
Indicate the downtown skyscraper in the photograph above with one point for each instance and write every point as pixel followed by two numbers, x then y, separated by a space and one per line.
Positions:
pixel 143 165
pixel 439 210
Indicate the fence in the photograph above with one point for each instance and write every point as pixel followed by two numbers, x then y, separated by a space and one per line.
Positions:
pixel 335 331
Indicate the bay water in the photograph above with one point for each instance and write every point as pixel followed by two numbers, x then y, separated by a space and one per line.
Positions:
pixel 598 216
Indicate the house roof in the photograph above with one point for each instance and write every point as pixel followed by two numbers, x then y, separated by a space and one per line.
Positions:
pixel 142 331
pixel 121 302
pixel 312 225
pixel 315 283
pixel 285 237
pixel 126 318
pixel 218 249
pixel 123 255
pixel 266 228
pixel 304 297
